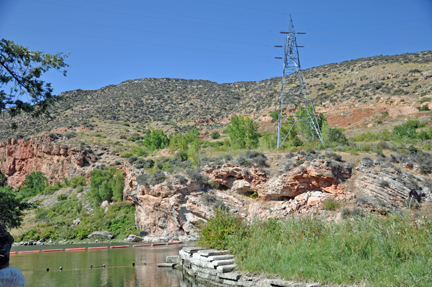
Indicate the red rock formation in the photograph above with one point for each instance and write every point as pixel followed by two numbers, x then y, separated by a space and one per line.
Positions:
pixel 317 175
pixel 55 160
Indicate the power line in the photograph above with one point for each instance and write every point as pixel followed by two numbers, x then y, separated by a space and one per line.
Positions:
pixel 241 7
pixel 139 42
pixel 158 18
pixel 371 30
pixel 369 44
pixel 348 9
pixel 140 30
pixel 166 13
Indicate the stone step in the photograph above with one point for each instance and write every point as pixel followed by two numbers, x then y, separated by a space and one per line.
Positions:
pixel 226 268
pixel 166 265
pixel 217 257
pixel 211 252
pixel 222 262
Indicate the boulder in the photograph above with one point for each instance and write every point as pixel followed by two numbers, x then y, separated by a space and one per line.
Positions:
pixel 241 186
pixel 76 222
pixel 133 238
pixel 103 234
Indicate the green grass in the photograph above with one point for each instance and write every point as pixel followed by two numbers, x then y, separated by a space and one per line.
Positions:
pixel 390 251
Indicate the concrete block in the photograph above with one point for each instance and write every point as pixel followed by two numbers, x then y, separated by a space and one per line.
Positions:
pixel 165 265
pixel 211 252
pixel 172 259
pixel 222 262
pixel 226 268
pixel 230 276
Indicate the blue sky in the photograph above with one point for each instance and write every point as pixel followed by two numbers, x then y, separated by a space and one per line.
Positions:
pixel 111 41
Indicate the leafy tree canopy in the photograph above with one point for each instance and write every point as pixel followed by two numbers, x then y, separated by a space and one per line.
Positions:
pixel 21 89
pixel 243 132
pixel 11 208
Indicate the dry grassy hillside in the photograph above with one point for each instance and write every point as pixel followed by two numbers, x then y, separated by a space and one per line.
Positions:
pixel 177 104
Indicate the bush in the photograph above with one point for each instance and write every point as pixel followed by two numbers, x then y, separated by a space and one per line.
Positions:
pixel 217 232
pixel 215 135
pixel 196 176
pixel 78 181
pixel 132 159
pixel 423 108
pixel 61 197
pixel 331 204
pixel 384 184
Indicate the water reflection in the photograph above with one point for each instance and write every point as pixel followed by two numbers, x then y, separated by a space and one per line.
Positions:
pixel 119 270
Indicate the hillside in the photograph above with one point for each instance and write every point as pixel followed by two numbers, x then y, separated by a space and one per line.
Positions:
pixel 177 104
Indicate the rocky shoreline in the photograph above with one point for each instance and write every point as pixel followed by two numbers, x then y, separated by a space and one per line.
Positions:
pixel 130 239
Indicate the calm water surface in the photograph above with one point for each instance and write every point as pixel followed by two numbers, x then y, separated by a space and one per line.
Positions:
pixel 118 272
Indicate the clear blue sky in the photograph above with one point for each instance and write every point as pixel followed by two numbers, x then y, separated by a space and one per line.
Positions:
pixel 111 41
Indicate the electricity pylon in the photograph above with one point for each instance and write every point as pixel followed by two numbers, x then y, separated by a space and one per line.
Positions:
pixel 295 95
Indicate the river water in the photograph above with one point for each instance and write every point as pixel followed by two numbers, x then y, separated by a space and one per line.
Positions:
pixel 118 272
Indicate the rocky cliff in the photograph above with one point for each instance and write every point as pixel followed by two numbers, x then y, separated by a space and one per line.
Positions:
pixel 175 206
pixel 55 159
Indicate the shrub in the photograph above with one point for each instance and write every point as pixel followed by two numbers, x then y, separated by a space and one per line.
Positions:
pixel 78 181
pixel 215 135
pixel 425 99
pixel 158 177
pixel 217 232
pixel 423 108
pixel 334 156
pixel 61 197
pixel 196 175
pixel 132 159
pixel 331 204
pixel 384 184
pixel 346 212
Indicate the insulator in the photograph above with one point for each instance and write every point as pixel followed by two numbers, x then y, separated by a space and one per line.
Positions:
pixel 280 58
pixel 278 46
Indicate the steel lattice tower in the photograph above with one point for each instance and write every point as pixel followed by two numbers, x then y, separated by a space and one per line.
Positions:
pixel 294 94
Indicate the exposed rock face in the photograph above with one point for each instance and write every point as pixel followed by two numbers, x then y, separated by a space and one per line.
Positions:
pixel 387 188
pixel 55 160
pixel 173 209
pixel 248 179
pixel 316 175
pixel 168 208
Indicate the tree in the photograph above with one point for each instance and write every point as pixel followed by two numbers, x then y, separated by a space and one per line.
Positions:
pixel 21 89
pixel 243 132
pixel 11 208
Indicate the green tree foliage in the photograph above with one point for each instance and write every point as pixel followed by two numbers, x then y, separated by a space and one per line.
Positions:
pixel 186 144
pixel 11 208
pixel 215 135
pixel 155 139
pixel 274 115
pixel 292 139
pixel 20 72
pixel 243 132
pixel 78 181
pixel 35 183
pixel 409 130
pixel 106 184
